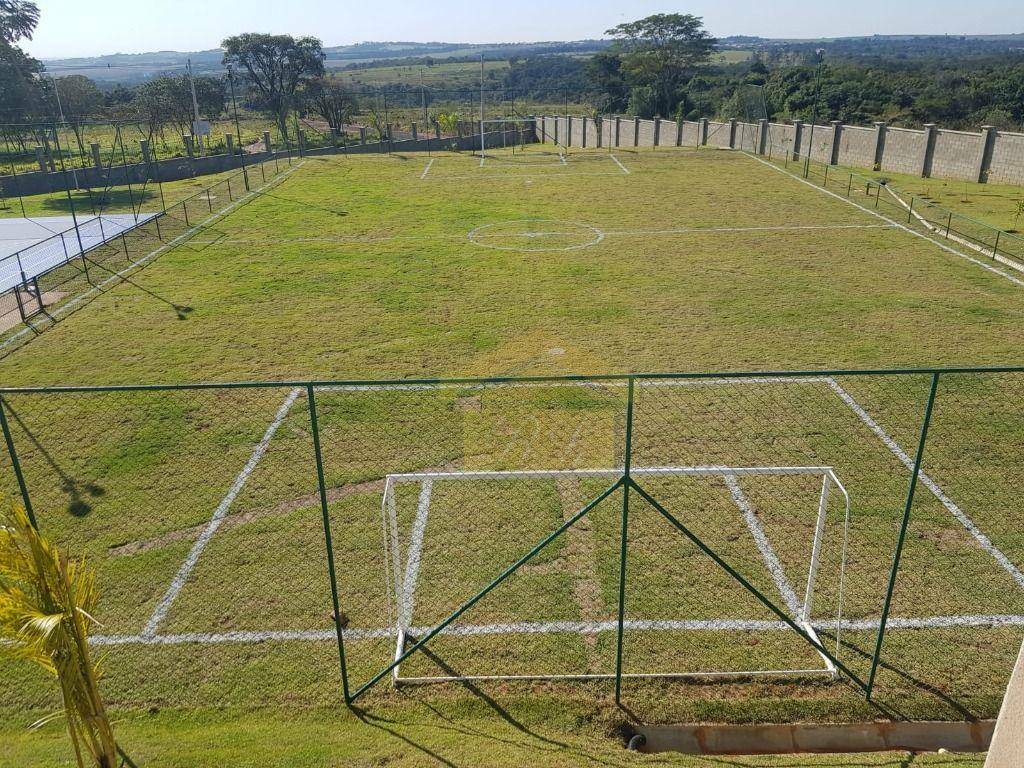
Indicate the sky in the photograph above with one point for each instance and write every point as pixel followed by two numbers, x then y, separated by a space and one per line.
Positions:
pixel 93 27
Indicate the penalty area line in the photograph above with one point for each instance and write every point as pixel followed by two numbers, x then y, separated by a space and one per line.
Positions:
pixel 181 577
pixel 625 170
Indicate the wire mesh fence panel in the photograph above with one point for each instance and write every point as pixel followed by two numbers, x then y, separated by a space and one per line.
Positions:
pixel 764 504
pixel 184 503
pixel 958 606
pixel 462 483
pixel 737 526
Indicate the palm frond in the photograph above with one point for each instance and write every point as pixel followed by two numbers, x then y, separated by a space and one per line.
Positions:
pixel 47 602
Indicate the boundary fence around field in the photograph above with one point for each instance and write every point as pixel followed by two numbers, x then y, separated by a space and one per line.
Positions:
pixel 52 276
pixel 627 480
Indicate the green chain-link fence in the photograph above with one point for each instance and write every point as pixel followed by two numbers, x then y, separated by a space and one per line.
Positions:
pixel 842 532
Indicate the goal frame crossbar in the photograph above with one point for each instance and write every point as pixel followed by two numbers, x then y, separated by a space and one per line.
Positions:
pixel 401 573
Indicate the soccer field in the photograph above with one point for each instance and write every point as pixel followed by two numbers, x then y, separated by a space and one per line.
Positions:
pixel 210 512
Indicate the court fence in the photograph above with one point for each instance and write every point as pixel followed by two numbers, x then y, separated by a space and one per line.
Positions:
pixel 916 211
pixel 849 533
pixel 45 280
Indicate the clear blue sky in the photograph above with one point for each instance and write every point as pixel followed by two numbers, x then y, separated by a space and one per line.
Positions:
pixel 90 27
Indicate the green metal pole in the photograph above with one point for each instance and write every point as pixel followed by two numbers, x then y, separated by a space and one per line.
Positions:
pixel 623 537
pixel 9 439
pixel 322 488
pixel 479 595
pixel 747 585
pixel 903 533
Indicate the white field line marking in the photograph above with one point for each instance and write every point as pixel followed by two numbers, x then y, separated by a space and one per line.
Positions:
pixel 359 239
pixel 584 384
pixel 427 169
pixel 577 627
pixel 896 224
pixel 955 238
pixel 712 230
pixel 905 459
pixel 625 170
pixel 491 176
pixel 767 552
pixel 160 612
pixel 64 308
pixel 412 566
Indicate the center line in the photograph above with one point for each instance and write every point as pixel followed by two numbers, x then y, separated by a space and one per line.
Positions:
pixel 625 170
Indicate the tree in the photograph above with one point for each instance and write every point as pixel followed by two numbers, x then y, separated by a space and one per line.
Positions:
pixel 275 65
pixel 604 70
pixel 19 90
pixel 330 99
pixel 167 99
pixel 662 51
pixel 18 19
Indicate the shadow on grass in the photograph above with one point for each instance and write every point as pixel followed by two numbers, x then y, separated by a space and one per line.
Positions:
pixel 78 491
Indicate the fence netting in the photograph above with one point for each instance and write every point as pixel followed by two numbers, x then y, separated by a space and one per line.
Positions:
pixel 474 529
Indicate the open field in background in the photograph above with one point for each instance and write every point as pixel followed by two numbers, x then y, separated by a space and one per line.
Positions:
pixel 439 75
pixel 528 263
pixel 167 144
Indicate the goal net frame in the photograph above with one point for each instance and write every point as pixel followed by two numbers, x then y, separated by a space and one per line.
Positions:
pixel 522 126
pixel 402 572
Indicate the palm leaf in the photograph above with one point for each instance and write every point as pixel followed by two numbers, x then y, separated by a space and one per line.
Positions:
pixel 47 603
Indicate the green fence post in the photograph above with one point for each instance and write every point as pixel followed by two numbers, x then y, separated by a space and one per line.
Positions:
pixel 910 211
pixel 903 533
pixel 849 186
pixel 995 248
pixel 627 459
pixel 9 439
pixel 322 488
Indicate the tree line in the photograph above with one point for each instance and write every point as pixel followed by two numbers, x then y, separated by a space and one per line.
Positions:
pixel 277 75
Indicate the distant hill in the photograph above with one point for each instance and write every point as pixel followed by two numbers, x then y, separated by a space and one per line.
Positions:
pixel 132 67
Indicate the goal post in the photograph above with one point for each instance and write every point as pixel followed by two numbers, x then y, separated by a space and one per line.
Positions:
pixel 517 133
pixel 408 525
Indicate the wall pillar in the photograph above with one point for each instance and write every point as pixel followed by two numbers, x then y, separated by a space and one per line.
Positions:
pixel 362 134
pixel 268 147
pixel 618 129
pixel 187 139
pixel 302 142
pixel 880 128
pixel 437 130
pixel 229 141
pixel 798 137
pixel 988 143
pixel 143 147
pixel 732 133
pixel 929 150
pixel 568 131
pixel 96 159
pixel 584 133
pixel 679 132
pixel 762 137
pixel 415 132
pixel 636 131
pixel 837 134
pixel 657 131
pixel 702 132
pixel 41 159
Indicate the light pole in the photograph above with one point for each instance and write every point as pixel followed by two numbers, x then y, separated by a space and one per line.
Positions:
pixel 238 130
pixel 820 53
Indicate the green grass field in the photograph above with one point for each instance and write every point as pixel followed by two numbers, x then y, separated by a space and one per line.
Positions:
pixel 404 266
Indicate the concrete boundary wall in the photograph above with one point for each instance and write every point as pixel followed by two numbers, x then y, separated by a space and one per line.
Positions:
pixel 988 155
